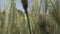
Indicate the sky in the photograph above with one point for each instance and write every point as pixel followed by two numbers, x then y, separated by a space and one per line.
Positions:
pixel 2 2
pixel 18 5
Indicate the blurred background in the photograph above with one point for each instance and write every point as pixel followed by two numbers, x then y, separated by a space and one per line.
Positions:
pixel 43 17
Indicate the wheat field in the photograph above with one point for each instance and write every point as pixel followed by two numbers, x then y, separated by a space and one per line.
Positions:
pixel 44 20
